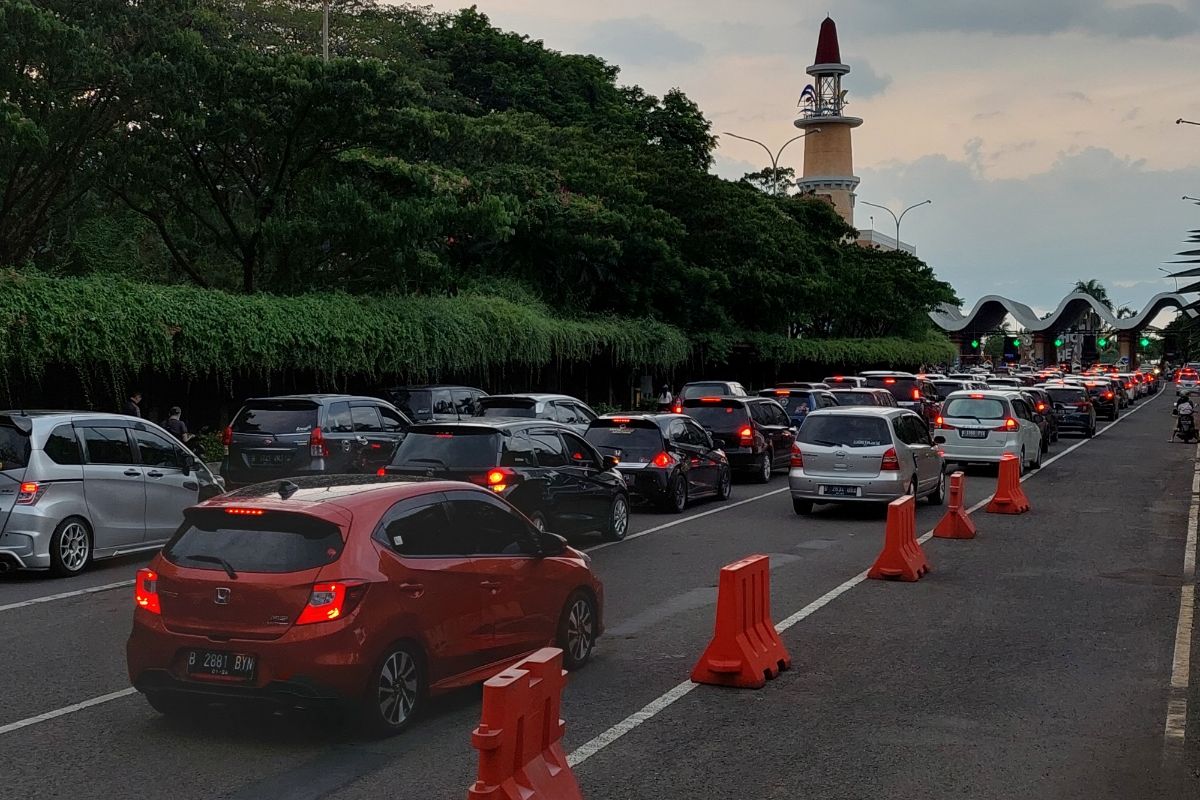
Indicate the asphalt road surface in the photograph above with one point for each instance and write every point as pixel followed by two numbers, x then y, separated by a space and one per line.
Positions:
pixel 1035 661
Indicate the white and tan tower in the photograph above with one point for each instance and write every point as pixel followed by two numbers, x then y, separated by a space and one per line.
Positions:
pixel 828 152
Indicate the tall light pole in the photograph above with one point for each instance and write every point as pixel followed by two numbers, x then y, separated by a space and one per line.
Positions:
pixel 900 218
pixel 1182 121
pixel 1167 272
pixel 1195 200
pixel 774 156
pixel 325 30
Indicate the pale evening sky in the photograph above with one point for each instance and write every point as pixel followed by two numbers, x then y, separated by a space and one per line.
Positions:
pixel 1043 130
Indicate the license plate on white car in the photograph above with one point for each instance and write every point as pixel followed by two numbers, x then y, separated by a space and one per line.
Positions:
pixel 838 491
pixel 973 433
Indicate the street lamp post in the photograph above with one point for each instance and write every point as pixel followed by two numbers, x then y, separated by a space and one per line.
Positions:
pixel 1167 272
pixel 773 156
pixel 900 218
pixel 1182 121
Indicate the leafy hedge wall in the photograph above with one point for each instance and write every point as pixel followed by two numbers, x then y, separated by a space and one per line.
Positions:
pixel 113 328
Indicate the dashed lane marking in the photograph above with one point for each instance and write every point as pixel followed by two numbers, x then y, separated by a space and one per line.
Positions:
pixel 50 598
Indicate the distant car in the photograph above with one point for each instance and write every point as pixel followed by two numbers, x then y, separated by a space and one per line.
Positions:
pixel 1002 382
pixel 802 385
pixel 980 427
pixel 845 381
pixel 1073 409
pixel 690 391
pixel 1133 386
pixel 1104 398
pixel 864 454
pixel 353 592
pixel 85 486
pixel 755 432
pixel 915 394
pixel 310 434
pixel 667 460
pixel 559 408
pixel 863 397
pixel 547 470
pixel 435 403
pixel 945 386
pixel 799 401
pixel 1044 406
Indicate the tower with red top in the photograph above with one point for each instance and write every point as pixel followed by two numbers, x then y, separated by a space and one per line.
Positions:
pixel 828 152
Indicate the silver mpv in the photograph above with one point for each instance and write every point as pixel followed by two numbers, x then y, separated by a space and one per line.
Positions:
pixel 860 454
pixel 76 486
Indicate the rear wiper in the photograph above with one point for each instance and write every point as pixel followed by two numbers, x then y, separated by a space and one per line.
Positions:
pixel 824 443
pixel 215 560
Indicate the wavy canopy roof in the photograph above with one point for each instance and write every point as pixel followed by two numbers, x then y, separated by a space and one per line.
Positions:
pixel 990 311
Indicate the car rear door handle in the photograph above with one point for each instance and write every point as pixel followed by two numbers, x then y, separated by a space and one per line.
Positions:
pixel 413 589
pixel 133 473
pixel 154 474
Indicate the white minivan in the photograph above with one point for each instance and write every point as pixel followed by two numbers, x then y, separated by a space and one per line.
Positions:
pixel 980 427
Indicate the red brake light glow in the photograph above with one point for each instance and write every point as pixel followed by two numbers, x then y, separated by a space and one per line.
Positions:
pixel 916 394
pixel 889 381
pixel 381 471
pixel 495 476
pixel 746 433
pixel 145 591
pixel 710 399
pixel 781 392
pixel 975 396
pixel 330 601
pixel 316 444
pixel 678 409
pixel 663 459
pixel 1010 424
pixel 621 420
pixel 245 512
pixel 30 492
pixel 797 459
pixel 891 463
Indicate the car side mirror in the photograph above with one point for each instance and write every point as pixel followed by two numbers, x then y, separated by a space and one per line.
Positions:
pixel 939 440
pixel 718 444
pixel 190 464
pixel 1039 418
pixel 611 462
pixel 550 544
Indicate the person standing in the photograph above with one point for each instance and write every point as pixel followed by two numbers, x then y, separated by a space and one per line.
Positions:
pixel 176 426
pixel 665 398
pixel 133 405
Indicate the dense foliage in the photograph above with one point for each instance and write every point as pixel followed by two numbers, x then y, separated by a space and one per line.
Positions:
pixel 205 143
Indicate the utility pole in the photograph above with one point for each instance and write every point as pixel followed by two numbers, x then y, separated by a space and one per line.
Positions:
pixel 773 156
pixel 900 218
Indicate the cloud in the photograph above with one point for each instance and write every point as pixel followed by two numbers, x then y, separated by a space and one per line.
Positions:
pixel 640 41
pixel 732 169
pixel 864 81
pixel 1034 17
pixel 1076 95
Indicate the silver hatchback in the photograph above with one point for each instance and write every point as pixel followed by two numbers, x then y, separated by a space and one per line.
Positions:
pixel 863 454
pixel 76 486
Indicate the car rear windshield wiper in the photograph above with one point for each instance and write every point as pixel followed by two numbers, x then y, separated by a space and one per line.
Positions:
pixel 824 443
pixel 215 560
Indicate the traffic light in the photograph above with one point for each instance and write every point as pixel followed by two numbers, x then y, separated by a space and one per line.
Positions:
pixel 974 344
pixel 1102 342
pixel 1016 342
pixel 1144 342
pixel 1058 342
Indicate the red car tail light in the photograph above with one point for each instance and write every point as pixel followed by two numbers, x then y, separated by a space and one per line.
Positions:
pixel 677 409
pixel 663 459
pixel 889 381
pixel 891 463
pixel 1010 424
pixel 145 591
pixel 497 479
pixel 227 438
pixel 1108 395
pixel 245 512
pixel 330 601
pixel 1041 407
pixel 746 435
pixel 381 471
pixel 941 424
pixel 621 420
pixel 316 444
pixel 916 394
pixel 797 459
pixel 31 492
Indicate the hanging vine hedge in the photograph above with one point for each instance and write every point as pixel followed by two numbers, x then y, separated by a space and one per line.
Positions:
pixel 895 352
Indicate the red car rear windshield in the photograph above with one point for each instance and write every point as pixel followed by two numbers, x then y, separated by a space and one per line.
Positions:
pixel 276 541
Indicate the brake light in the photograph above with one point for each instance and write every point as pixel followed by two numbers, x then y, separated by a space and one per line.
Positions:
pixel 330 601
pixel 663 459
pixel 1010 424
pixel 621 420
pixel 916 394
pixel 797 459
pixel 678 409
pixel 1108 395
pixel 941 424
pixel 889 381
pixel 710 399
pixel 245 512
pixel 227 438
pixel 145 591
pixel 31 492
pixel 1041 406
pixel 781 392
pixel 891 462
pixel 746 434
pixel 497 479
pixel 381 471
pixel 316 444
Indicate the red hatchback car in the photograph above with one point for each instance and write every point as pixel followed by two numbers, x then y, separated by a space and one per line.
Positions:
pixel 367 592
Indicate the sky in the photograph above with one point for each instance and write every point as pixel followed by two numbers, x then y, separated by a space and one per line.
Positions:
pixel 1042 130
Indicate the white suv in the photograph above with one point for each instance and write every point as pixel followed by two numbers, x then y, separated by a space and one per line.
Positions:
pixel 980 427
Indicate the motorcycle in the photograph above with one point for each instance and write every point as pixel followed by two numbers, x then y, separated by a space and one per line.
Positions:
pixel 1185 427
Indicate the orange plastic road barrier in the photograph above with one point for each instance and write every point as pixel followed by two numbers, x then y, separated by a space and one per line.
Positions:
pixel 519 734
pixel 1009 497
pixel 956 524
pixel 902 556
pixel 745 649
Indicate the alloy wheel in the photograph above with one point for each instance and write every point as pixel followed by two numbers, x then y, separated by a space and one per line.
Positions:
pixel 680 497
pixel 74 546
pixel 619 524
pixel 581 630
pixel 398 686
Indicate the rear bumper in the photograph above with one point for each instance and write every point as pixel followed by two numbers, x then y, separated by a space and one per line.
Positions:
pixel 237 477
pixel 25 542
pixel 298 693
pixel 743 458
pixel 964 454
pixel 1074 423
pixel 645 485
pixel 880 489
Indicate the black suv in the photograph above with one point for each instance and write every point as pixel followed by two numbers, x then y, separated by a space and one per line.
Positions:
pixel 435 402
pixel 667 459
pixel 911 392
pixel 1104 397
pixel 546 470
pixel 798 401
pixel 1073 409
pixel 554 407
pixel 309 434
pixel 755 432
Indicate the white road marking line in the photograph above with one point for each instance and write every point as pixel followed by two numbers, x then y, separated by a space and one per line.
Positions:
pixel 1175 730
pixel 95 701
pixel 681 520
pixel 681 690
pixel 64 595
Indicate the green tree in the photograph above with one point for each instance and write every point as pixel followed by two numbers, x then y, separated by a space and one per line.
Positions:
pixel 769 180
pixel 1094 288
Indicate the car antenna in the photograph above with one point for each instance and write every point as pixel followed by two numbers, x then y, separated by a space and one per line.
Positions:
pixel 287 489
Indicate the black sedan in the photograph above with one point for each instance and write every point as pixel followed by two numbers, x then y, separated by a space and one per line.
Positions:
pixel 549 472
pixel 666 459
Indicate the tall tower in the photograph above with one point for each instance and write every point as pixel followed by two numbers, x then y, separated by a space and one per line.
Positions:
pixel 828 153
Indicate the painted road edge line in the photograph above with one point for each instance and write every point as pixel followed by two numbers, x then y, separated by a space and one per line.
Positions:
pixel 71 709
pixel 64 595
pixel 1175 729
pixel 681 690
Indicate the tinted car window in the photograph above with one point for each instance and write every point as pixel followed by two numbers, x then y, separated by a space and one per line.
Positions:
pixel 580 452
pixel 423 531
pixel 366 419
pixel 155 451
pixel 107 446
pixel 500 407
pixel 565 413
pixel 339 420
pixel 276 542
pixel 548 449
pixel 844 431
pixel 778 417
pixel 631 443
pixel 517 450
pixel 719 417
pixel 457 448
pixel 443 403
pixel 496 531
pixel 14 448
pixel 278 417
pixel 855 399
pixel 978 407
pixel 704 390
pixel 417 403
pixel 62 446
pixel 918 430
pixel 392 421
pixel 696 434
pixel 904 431
pixel 583 414
pixel 1067 396
pixel 899 388
pixel 464 401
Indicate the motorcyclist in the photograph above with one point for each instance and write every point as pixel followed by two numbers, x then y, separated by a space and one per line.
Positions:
pixel 1185 409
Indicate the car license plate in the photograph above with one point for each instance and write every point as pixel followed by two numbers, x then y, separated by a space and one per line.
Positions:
pixel 219 664
pixel 839 491
pixel 263 459
pixel 973 433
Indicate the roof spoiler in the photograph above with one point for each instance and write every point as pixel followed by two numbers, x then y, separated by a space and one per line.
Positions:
pixel 22 423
